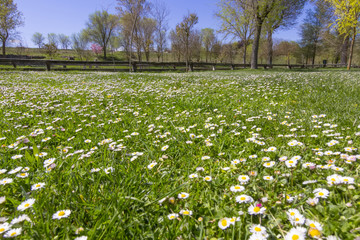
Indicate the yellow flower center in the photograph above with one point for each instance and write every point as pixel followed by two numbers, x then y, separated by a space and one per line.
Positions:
pixel 312 225
pixel 2 229
pixel 346 180
pixel 295 237
pixel 237 187
pixel 224 222
pixel 23 174
pixel 292 214
pixel 291 161
pixel 297 219
pixel 27 205
pixel 313 232
pixel 256 209
pixel 37 185
pixel 257 229
pixel 321 194
pixel 333 179
pixel 243 178
pixel 183 195
pixel 242 198
pixel 186 212
pixel 62 213
pixel 13 234
pixel 172 217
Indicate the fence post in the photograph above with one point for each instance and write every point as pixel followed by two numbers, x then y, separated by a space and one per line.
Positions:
pixel 14 64
pixel 213 67
pixel 191 67
pixel 133 67
pixel 48 66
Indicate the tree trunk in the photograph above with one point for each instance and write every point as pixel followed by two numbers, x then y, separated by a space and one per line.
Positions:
pixel 3 48
pixel 270 47
pixel 313 55
pixel 104 49
pixel 351 49
pixel 345 50
pixel 255 48
pixel 244 56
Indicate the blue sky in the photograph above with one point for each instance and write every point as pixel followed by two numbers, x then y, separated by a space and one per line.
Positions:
pixel 70 16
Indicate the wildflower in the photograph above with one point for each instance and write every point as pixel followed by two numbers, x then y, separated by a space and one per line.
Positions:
pixel 186 212
pixel 312 201
pixel 172 216
pixel 2 199
pixel 295 234
pixel 151 165
pixel 244 179
pixel 109 170
pixel 257 228
pixel 237 188
pixel 224 223
pixel 194 175
pixel 61 214
pixel 297 219
pixel 244 199
pixel 81 238
pixel 321 193
pixel 347 180
pixel 313 224
pixel 205 157
pixel 208 178
pixel 258 236
pixel 291 163
pixel 255 210
pixel 183 195
pixel 269 164
pixel 164 148
pixel 6 181
pixel 4 227
pixel 16 157
pixel 20 219
pixel 37 186
pixel 13 233
pixel 26 204
pixel 268 178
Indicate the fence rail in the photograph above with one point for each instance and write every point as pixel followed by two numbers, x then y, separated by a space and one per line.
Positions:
pixel 66 65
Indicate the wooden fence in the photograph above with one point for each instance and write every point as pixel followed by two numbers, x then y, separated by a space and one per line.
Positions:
pixel 60 65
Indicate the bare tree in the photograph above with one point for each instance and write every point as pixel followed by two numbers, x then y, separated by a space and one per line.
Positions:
pixel 10 19
pixel 184 30
pixel 80 43
pixel 101 27
pixel 64 41
pixel 38 39
pixel 133 10
pixel 176 45
pixel 160 13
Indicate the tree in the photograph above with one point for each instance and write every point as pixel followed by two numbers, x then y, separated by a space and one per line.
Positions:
pixel 347 14
pixel 50 49
pixel 53 39
pixel 131 12
pixel 38 39
pixel 80 44
pixel 283 15
pixel 287 49
pixel 64 41
pixel 237 21
pixel 208 40
pixel 147 30
pixel 312 29
pixel 101 27
pixel 176 45
pixel 160 13
pixel 184 30
pixel 10 19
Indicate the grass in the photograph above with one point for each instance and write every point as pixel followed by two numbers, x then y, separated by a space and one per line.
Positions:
pixel 149 137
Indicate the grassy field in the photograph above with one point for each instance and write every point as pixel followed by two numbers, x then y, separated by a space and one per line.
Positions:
pixel 214 155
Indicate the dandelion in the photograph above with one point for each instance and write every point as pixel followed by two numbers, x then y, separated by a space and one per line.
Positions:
pixel 26 204
pixel 61 214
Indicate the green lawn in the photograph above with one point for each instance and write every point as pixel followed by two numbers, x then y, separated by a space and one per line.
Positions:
pixel 214 155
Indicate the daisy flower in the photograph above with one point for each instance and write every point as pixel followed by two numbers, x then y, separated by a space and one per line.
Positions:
pixel 258 236
pixel 255 210
pixel 151 165
pixel 295 234
pixel 186 212
pixel 61 214
pixel 258 229
pixel 13 233
pixel 244 199
pixel 172 216
pixel 268 178
pixel 224 223
pixel 4 227
pixel 6 181
pixel 26 204
pixel 321 193
pixel 207 178
pixel 244 179
pixel 313 224
pixel 237 188
pixel 347 180
pixel 164 148
pixel 81 238
pixel 269 164
pixel 194 175
pixel 291 163
pixel 205 157
pixel 37 186
pixel 312 201
pixel 183 195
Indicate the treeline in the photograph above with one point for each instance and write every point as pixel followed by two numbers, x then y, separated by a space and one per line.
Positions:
pixel 140 30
